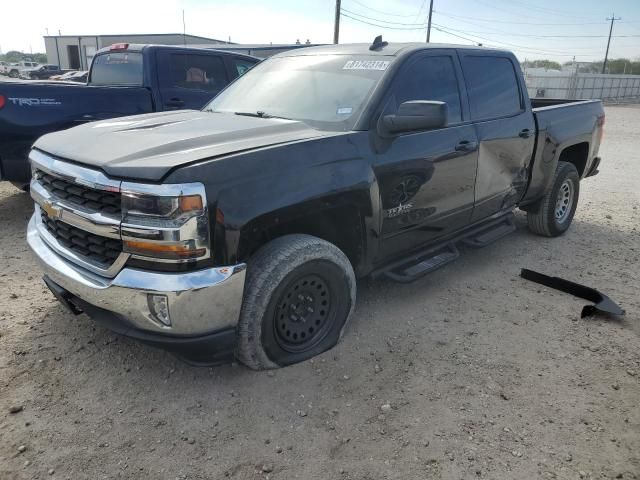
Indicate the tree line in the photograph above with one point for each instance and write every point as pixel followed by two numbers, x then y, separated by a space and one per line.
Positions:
pixel 13 56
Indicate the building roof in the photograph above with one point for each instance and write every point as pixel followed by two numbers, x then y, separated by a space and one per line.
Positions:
pixel 139 35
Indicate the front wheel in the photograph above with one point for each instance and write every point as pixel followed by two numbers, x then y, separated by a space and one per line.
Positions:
pixel 299 293
pixel 554 213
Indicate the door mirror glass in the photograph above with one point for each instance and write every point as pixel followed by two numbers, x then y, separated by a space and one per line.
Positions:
pixel 416 115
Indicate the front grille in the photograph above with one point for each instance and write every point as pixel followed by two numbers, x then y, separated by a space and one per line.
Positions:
pixel 101 250
pixel 89 198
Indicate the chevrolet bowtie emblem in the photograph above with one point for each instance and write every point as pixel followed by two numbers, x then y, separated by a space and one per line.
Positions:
pixel 51 210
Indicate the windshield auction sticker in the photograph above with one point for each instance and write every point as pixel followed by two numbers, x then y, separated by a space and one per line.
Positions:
pixel 366 65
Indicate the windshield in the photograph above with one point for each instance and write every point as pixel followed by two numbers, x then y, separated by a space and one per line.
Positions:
pixel 117 68
pixel 325 91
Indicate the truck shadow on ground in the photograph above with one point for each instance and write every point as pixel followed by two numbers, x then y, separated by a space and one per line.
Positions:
pixel 15 208
pixel 100 349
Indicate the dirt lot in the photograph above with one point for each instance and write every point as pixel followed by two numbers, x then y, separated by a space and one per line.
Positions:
pixel 471 372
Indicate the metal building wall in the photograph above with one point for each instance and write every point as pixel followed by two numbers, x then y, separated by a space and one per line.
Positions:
pixel 583 85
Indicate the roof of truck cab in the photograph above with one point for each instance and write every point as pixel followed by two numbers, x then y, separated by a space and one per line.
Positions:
pixel 391 49
pixel 139 47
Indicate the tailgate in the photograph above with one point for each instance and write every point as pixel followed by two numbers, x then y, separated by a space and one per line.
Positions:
pixel 33 109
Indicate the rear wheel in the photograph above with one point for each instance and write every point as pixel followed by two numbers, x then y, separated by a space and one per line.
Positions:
pixel 299 293
pixel 554 213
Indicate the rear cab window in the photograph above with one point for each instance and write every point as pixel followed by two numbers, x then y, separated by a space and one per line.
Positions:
pixel 196 72
pixel 241 65
pixel 492 86
pixel 117 68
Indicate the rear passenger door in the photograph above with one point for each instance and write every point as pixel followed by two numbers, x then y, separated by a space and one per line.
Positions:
pixel 505 129
pixel 189 80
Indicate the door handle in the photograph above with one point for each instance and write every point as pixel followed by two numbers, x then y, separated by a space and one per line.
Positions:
pixel 526 133
pixel 466 146
pixel 174 103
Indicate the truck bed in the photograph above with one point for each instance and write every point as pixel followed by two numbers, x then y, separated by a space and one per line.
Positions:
pixel 562 123
pixel 538 103
pixel 34 108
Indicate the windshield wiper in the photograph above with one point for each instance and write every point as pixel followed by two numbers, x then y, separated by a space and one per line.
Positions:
pixel 260 114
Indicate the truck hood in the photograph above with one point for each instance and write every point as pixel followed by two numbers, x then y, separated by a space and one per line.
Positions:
pixel 147 147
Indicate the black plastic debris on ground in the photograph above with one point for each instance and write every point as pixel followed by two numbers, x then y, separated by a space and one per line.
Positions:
pixel 603 304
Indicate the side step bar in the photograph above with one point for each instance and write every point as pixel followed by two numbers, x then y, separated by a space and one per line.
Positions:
pixel 415 266
pixel 491 233
pixel 412 268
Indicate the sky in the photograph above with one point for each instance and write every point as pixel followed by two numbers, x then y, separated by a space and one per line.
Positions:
pixel 533 29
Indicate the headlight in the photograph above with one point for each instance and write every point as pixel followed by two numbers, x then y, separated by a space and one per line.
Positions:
pixel 165 222
pixel 144 207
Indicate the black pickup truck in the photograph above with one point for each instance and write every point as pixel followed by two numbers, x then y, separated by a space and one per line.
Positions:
pixel 243 227
pixel 124 80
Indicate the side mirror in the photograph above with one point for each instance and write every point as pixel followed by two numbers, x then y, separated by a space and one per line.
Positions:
pixel 417 115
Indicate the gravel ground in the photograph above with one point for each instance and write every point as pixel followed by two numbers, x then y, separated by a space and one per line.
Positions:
pixel 468 373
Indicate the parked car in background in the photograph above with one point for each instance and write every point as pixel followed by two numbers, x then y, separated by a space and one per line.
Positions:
pixel 6 67
pixel 64 75
pixel 78 77
pixel 15 68
pixel 123 80
pixel 41 72
pixel 241 228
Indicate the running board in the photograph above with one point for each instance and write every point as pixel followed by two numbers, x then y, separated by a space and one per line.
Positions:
pixel 416 266
pixel 491 233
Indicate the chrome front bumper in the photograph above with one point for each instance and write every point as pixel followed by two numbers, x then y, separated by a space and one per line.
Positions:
pixel 200 302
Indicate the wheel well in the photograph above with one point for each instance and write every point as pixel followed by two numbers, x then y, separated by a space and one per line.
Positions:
pixel 578 155
pixel 340 226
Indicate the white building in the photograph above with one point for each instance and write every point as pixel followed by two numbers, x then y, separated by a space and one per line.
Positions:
pixel 75 52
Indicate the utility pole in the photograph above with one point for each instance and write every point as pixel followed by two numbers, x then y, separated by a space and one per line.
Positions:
pixel 606 55
pixel 429 23
pixel 336 24
pixel 184 29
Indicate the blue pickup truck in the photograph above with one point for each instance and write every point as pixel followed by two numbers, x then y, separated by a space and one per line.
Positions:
pixel 124 79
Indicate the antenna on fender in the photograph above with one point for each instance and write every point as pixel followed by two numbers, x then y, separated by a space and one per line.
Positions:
pixel 378 43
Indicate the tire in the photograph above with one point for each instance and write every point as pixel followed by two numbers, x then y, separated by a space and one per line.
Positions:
pixel 13 74
pixel 555 211
pixel 273 331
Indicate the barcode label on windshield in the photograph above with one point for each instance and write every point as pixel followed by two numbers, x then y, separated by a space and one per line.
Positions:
pixel 366 65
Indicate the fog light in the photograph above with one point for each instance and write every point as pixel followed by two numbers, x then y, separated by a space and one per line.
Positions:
pixel 159 307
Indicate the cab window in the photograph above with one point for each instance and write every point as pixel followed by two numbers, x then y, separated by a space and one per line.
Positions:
pixel 430 78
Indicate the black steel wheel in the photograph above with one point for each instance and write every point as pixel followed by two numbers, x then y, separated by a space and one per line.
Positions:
pixel 553 214
pixel 299 293
pixel 304 313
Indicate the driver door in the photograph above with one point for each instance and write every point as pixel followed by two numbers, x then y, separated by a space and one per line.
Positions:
pixel 427 178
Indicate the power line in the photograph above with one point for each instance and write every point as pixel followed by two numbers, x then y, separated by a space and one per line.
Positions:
pixel 552 36
pixel 491 20
pixel 381 21
pixel 382 26
pixel 424 2
pixel 435 27
pixel 571 15
pixel 546 9
pixel 380 11
pixel 519 47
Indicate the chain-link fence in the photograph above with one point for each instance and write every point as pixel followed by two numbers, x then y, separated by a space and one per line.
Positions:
pixel 583 86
